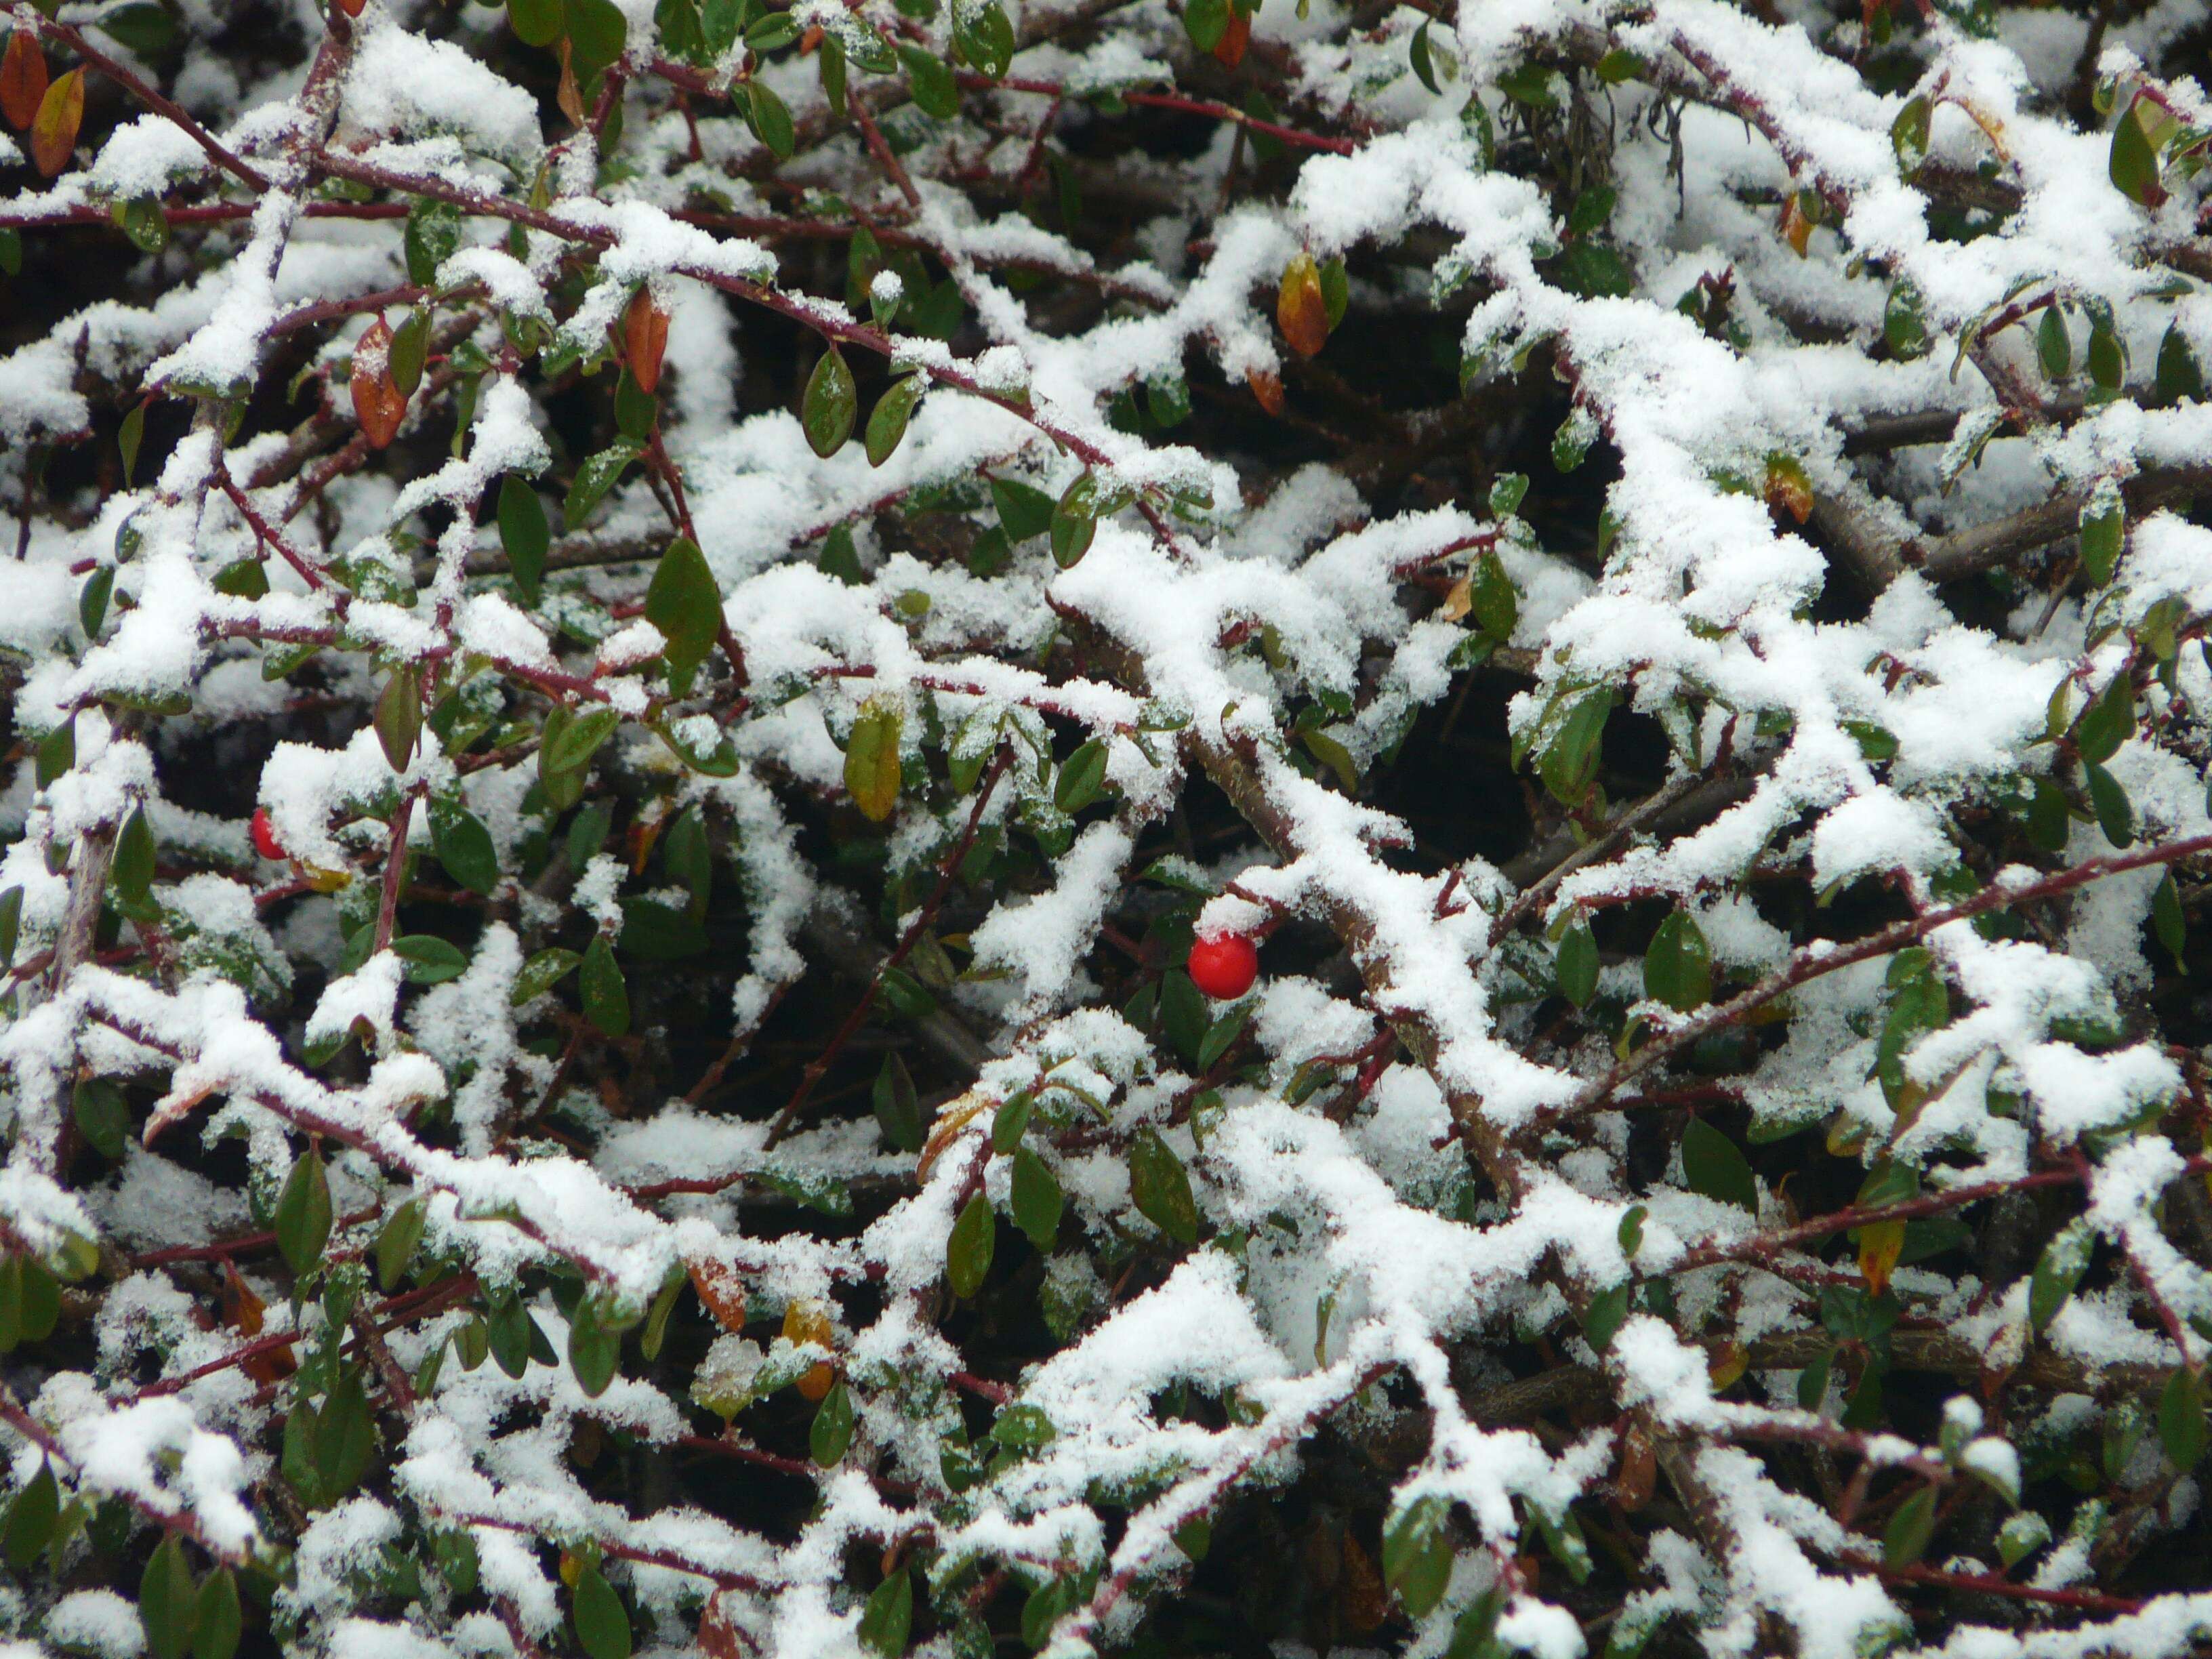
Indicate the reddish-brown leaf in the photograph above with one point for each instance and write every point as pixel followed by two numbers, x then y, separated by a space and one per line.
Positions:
pixel 22 80
pixel 378 403
pixel 1267 386
pixel 1300 308
pixel 722 1292
pixel 1795 225
pixel 351 8
pixel 807 1321
pixel 1229 50
pixel 53 129
pixel 645 337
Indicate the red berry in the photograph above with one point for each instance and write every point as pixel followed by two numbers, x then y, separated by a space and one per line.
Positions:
pixel 1224 965
pixel 264 836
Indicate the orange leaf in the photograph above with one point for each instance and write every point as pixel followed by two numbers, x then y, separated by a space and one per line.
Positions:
pixel 1880 1246
pixel 22 80
pixel 645 337
pixel 1300 308
pixel 53 130
pixel 1797 225
pixel 723 1291
pixel 809 1321
pixel 1267 387
pixel 1229 50
pixel 378 404
pixel 351 8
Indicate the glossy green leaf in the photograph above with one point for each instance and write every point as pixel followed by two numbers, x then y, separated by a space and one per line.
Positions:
pixel 968 1246
pixel 303 1212
pixel 602 1622
pixel 524 535
pixel 827 410
pixel 1159 1186
pixel 1037 1199
pixel 167 1600
pixel 1678 968
pixel 1714 1166
pixel 832 1430
pixel 605 993
pixel 887 422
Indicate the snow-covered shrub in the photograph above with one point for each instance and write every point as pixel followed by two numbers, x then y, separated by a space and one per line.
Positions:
pixel 640 635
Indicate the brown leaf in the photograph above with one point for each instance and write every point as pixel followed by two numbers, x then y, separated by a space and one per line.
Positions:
pixel 1267 387
pixel 22 80
pixel 378 403
pixel 1788 489
pixel 1300 308
pixel 1639 1468
pixel 571 96
pixel 723 1291
pixel 1360 1596
pixel 1797 225
pixel 718 1634
pixel 53 129
pixel 1229 50
pixel 645 337
pixel 244 1311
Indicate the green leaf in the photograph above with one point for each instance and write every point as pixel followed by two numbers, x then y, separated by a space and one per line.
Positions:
pixel 968 1246
pixel 985 39
pixel 602 1622
pixel 2054 347
pixel 524 535
pixel 1908 135
pixel 535 23
pixel 464 846
pixel 1497 607
pixel 1205 21
pixel 2181 1405
pixel 1082 780
pixel 597 476
pixel 434 227
pixel 1417 1555
pixel 1037 1200
pixel 30 1517
pixel 771 32
pixel 1025 1427
pixel 1812 1381
pixel 597 32
pixel 885 1621
pixel 134 434
pixel 2179 377
pixel 1910 1529
pixel 1075 521
pixel 57 753
pixel 606 994
pixel 2116 815
pixel 1569 764
pixel 2058 1270
pixel 131 866
pixel 594 1349
pixel 827 410
pixel 303 1212
pixel 898 1108
pixel 1159 1186
pixel 1678 965
pixel 1024 509
pixel 873 771
pixel 2103 535
pixel 11 923
pixel 101 1117
pixel 1714 1166
pixel 92 600
pixel 636 411
pixel 2133 161
pixel 2167 922
pixel 542 973
pixel 1606 1312
pixel 833 1426
pixel 396 1243
pixel 430 960
pixel 409 349
pixel 167 1600
pixel 660 932
pixel 398 716
pixel 684 602
pixel 1576 964
pixel 218 1619
pixel 769 118
pixel 887 424
pixel 2108 722
pixel 571 749
pixel 930 78
pixel 1423 66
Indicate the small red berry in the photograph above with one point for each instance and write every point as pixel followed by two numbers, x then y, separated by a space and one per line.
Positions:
pixel 1223 965
pixel 264 836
